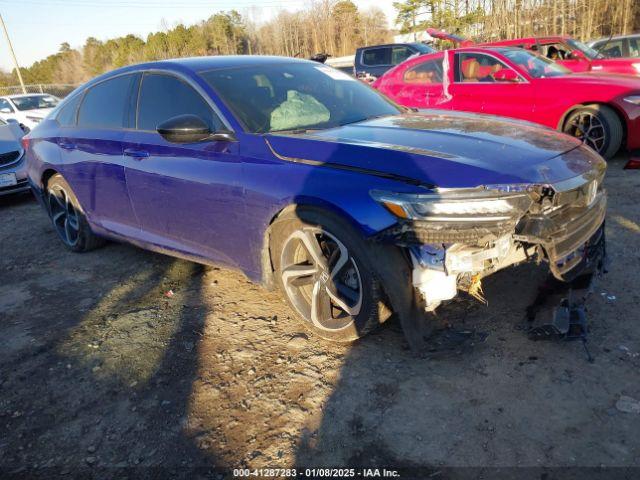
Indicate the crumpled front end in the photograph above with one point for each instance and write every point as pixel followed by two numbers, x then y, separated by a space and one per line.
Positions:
pixel 457 237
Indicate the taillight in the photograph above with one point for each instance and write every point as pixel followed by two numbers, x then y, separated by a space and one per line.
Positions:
pixel 25 142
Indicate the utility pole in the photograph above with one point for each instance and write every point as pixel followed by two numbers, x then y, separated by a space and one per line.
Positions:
pixel 13 54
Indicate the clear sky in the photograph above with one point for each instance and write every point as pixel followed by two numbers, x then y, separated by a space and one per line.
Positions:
pixel 38 27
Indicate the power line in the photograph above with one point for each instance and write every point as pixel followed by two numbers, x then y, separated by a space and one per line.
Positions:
pixel 13 54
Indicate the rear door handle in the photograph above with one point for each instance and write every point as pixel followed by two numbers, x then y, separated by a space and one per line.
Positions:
pixel 136 154
pixel 67 145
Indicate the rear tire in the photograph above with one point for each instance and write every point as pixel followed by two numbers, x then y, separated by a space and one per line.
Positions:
pixel 323 271
pixel 598 126
pixel 68 218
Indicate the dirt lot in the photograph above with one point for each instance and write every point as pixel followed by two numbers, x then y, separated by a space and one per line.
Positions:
pixel 101 370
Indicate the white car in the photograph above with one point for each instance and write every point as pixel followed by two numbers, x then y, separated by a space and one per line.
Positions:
pixel 28 109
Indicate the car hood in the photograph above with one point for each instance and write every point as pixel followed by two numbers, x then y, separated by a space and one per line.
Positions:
pixel 10 135
pixel 602 79
pixel 443 149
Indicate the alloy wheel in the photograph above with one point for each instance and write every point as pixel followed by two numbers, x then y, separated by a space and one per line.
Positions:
pixel 64 215
pixel 589 128
pixel 321 278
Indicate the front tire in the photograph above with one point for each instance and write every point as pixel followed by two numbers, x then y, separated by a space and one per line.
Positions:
pixel 68 218
pixel 598 126
pixel 325 275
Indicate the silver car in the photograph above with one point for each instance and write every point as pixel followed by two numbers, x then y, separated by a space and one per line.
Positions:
pixel 13 170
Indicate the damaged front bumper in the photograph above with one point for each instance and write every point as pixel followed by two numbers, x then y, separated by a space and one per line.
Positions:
pixel 562 225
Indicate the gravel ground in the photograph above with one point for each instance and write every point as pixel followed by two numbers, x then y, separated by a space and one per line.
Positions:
pixel 104 373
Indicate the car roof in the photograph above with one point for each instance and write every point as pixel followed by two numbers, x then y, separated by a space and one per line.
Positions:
pixel 391 45
pixel 517 41
pixel 199 64
pixel 616 37
pixel 22 95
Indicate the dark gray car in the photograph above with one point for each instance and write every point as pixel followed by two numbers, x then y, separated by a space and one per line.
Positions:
pixel 618 46
pixel 13 171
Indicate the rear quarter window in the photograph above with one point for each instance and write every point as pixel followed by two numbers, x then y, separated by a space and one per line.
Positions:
pixel 68 113
pixel 376 56
pixel 106 105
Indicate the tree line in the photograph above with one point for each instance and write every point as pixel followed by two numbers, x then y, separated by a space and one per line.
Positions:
pixel 336 27
pixel 485 20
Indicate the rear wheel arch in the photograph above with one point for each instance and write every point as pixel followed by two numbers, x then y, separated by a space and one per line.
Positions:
pixel 46 176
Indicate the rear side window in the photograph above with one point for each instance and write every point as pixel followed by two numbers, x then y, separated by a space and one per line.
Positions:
pixel 106 104
pixel 634 47
pixel 376 56
pixel 425 73
pixel 67 114
pixel 165 96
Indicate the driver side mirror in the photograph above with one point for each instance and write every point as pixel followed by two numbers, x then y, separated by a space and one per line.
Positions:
pixel 577 55
pixel 5 110
pixel 506 75
pixel 190 129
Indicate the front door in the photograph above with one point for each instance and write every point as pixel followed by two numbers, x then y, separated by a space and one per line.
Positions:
pixel 184 195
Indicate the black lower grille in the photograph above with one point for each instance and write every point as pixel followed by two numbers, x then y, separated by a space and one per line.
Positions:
pixel 8 158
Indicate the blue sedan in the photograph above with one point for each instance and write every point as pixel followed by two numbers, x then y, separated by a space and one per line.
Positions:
pixel 307 180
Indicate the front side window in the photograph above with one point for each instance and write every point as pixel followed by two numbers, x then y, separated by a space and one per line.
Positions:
pixel 373 57
pixel 400 54
pixel 477 67
pixel 425 73
pixel 5 105
pixel 34 102
pixel 613 49
pixel 106 105
pixel 294 96
pixel 589 52
pixel 165 96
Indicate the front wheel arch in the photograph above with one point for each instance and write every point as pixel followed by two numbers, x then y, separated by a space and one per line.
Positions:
pixel 621 117
pixel 266 261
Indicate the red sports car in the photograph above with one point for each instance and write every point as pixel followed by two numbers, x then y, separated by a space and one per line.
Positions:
pixel 566 51
pixel 574 55
pixel 603 110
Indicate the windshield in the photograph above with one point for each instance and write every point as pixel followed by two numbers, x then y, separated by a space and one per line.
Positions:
pixel 33 102
pixel 296 96
pixel 535 65
pixel 589 52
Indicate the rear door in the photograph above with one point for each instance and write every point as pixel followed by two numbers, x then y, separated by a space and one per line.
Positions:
pixel 91 151
pixel 185 195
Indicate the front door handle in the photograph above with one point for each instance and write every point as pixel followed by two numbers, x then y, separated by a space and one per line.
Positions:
pixel 135 153
pixel 67 145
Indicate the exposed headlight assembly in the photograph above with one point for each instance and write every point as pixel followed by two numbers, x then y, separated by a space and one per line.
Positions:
pixel 497 204
pixel 635 99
